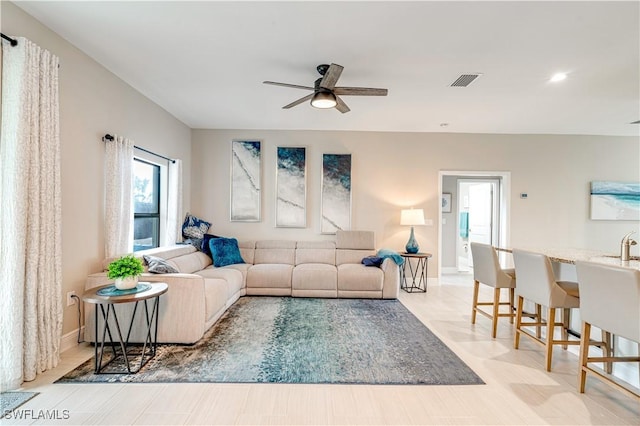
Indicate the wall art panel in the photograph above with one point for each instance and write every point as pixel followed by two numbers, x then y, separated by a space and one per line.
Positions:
pixel 615 200
pixel 336 193
pixel 246 170
pixel 291 187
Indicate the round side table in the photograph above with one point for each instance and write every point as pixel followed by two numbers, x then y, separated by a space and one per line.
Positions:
pixel 105 298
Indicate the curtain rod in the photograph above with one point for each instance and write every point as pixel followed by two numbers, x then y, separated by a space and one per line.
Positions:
pixel 13 41
pixel 109 138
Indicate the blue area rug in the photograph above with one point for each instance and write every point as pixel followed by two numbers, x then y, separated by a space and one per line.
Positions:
pixel 10 401
pixel 299 340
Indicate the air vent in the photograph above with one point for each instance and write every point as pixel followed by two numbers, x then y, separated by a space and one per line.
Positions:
pixel 635 122
pixel 465 79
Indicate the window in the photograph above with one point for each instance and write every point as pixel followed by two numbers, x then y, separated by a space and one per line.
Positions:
pixel 146 205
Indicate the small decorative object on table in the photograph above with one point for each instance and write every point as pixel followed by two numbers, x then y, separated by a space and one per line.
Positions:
pixel 125 271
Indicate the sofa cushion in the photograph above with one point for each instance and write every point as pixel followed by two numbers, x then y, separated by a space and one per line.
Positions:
pixel 166 252
pixel 275 252
pixel 352 256
pixel 241 267
pixel 357 277
pixel 158 265
pixel 190 263
pixel 358 240
pixel 225 251
pixel 315 252
pixel 315 276
pixel 194 227
pixel 270 275
pixel 247 250
pixel 216 292
pixel 233 277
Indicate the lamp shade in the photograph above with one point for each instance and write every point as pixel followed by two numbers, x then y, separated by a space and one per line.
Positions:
pixel 323 99
pixel 412 217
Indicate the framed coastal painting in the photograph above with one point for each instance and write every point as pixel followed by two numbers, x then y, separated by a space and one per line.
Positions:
pixel 336 193
pixel 446 202
pixel 291 187
pixel 615 200
pixel 246 171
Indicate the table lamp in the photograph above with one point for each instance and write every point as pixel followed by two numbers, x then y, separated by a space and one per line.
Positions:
pixel 412 217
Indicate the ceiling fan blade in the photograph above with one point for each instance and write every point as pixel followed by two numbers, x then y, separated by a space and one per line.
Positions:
pixel 298 102
pixel 360 91
pixel 341 106
pixel 331 76
pixel 295 86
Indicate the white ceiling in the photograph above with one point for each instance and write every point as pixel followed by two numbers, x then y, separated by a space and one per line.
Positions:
pixel 204 62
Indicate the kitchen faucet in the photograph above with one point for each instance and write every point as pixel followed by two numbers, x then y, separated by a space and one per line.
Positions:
pixel 625 246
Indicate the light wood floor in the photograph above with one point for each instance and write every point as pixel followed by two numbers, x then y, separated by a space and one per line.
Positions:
pixel 517 390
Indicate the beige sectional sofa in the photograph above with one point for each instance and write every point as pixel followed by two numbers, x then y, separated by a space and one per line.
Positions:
pixel 200 293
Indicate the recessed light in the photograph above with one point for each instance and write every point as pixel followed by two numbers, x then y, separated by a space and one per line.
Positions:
pixel 558 77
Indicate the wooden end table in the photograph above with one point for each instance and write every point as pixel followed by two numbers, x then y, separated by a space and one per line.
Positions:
pixel 105 301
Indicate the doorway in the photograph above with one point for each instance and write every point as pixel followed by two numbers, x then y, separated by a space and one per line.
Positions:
pixel 478 217
pixel 478 212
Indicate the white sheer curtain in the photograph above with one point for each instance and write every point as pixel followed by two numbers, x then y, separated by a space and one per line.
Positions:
pixel 118 180
pixel 30 215
pixel 174 203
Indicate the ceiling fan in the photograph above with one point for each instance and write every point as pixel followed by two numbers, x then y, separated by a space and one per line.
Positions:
pixel 325 93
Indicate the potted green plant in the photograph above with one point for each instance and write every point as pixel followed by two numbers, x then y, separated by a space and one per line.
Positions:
pixel 125 271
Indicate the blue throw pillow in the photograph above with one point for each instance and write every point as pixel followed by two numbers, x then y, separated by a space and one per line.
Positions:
pixel 194 227
pixel 225 251
pixel 204 245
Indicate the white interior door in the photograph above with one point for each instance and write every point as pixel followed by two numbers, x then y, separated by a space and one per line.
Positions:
pixel 481 204
pixel 480 212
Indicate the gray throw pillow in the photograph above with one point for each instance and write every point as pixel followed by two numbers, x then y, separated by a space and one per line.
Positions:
pixel 158 265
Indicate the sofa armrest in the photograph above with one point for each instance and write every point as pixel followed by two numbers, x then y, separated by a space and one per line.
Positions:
pixel 182 309
pixel 391 281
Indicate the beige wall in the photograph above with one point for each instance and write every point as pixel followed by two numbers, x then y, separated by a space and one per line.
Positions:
pixel 93 102
pixel 394 170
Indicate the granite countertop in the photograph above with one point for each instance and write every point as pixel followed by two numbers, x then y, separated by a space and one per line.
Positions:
pixel 570 255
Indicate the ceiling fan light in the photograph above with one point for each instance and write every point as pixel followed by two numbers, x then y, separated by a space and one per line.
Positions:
pixel 323 100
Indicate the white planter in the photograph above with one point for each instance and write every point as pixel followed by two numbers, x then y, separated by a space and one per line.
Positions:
pixel 126 283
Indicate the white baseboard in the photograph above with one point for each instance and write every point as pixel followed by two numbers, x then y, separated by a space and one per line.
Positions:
pixel 70 340
pixel 449 270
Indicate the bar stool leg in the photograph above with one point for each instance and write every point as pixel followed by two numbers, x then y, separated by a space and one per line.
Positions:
pixel 512 306
pixel 566 315
pixel 516 339
pixel 584 353
pixel 551 320
pixel 496 311
pixel 607 350
pixel 476 286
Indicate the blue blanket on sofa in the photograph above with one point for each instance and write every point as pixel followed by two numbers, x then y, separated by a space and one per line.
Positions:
pixel 387 253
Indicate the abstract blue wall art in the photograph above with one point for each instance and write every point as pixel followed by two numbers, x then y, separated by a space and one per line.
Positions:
pixel 291 187
pixel 336 193
pixel 615 200
pixel 245 181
